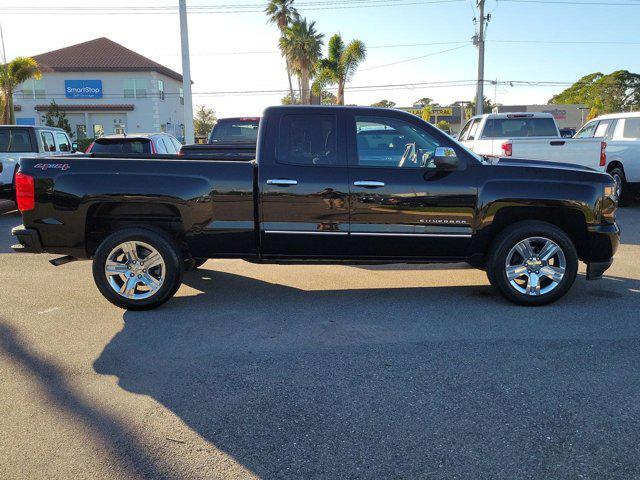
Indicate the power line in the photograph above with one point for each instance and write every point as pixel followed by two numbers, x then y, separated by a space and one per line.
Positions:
pixel 413 58
pixel 576 2
pixel 325 5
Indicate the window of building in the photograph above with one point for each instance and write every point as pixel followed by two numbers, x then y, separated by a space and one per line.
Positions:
pixel 161 89
pixel 33 88
pixel 308 140
pixel 63 142
pixel 181 96
pixel 48 145
pixel 98 130
pixel 81 131
pixel 135 88
pixel 389 142
pixel 119 128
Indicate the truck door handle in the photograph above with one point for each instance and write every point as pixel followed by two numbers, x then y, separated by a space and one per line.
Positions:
pixel 557 143
pixel 282 182
pixel 368 183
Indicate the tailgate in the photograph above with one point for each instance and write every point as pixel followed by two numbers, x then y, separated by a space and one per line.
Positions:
pixel 580 151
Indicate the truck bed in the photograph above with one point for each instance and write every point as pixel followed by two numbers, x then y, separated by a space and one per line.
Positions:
pixel 78 195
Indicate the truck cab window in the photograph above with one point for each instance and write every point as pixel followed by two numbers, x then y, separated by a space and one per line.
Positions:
pixel 63 142
pixel 307 140
pixel 389 142
pixel 48 145
pixel 631 129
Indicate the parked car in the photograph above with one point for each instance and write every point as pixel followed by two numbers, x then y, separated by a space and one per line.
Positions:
pixel 28 141
pixel 486 134
pixel 567 132
pixel 230 139
pixel 609 143
pixel 148 143
pixel 322 190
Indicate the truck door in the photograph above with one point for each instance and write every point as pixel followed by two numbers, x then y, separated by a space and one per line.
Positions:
pixel 304 208
pixel 401 205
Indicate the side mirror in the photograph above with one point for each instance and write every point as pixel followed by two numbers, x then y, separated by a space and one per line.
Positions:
pixel 74 147
pixel 445 158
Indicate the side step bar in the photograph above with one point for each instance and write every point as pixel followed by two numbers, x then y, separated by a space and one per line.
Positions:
pixel 56 262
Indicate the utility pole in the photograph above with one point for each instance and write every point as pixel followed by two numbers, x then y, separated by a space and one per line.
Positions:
pixel 186 74
pixel 479 42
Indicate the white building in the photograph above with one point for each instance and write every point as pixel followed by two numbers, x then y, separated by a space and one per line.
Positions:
pixel 103 88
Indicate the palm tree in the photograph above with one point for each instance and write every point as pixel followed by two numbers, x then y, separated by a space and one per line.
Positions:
pixel 302 45
pixel 282 13
pixel 12 74
pixel 340 64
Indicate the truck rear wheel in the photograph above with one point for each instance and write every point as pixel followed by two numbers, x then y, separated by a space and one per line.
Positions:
pixel 137 268
pixel 532 263
pixel 622 190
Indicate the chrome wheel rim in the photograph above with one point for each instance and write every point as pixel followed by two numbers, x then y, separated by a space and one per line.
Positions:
pixel 618 181
pixel 535 266
pixel 135 270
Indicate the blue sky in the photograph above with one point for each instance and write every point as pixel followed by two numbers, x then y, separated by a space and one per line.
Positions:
pixel 214 36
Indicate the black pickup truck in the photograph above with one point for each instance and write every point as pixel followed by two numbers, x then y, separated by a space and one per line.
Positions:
pixel 343 185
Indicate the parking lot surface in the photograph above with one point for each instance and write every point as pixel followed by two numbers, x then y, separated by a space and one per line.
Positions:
pixel 318 372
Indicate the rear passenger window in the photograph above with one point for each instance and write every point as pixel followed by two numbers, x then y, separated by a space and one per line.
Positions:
pixel 160 148
pixel 63 142
pixel 631 128
pixel 307 140
pixel 48 145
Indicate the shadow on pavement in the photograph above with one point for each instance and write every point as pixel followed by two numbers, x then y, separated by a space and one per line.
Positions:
pixel 390 383
pixel 118 440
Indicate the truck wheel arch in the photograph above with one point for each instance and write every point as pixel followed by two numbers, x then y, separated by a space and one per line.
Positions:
pixel 103 218
pixel 572 221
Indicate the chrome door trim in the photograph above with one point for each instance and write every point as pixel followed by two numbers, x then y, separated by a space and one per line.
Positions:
pixel 306 232
pixel 388 234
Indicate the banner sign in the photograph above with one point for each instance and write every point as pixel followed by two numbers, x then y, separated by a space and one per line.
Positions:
pixel 83 88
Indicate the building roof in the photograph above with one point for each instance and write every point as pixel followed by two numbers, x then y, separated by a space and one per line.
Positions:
pixel 100 55
pixel 107 107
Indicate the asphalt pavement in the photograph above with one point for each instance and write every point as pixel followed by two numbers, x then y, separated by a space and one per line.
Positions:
pixel 318 372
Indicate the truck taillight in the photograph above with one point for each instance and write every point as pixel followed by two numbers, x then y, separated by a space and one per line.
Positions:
pixel 507 149
pixel 25 192
pixel 603 154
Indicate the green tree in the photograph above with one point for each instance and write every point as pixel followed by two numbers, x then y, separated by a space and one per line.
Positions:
pixel 424 102
pixel 54 117
pixel 486 108
pixel 384 104
pixel 204 120
pixel 444 126
pixel 340 65
pixel 328 98
pixel 616 92
pixel 12 74
pixel 302 45
pixel 282 13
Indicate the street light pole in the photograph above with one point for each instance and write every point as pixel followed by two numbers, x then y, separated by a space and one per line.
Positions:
pixel 186 74
pixel 480 43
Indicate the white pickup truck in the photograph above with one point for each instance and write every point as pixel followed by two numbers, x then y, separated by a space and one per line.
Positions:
pixel 609 143
pixel 486 134
pixel 18 141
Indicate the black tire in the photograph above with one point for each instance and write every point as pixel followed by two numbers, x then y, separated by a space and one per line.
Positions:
pixel 624 196
pixel 163 244
pixel 513 235
pixel 193 264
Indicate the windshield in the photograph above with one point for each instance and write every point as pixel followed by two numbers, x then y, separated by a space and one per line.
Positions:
pixel 235 131
pixel 122 145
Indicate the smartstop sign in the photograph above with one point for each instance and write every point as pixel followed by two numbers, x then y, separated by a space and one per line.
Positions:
pixel 83 88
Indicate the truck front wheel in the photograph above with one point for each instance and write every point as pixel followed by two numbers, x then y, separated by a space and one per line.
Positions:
pixel 532 263
pixel 137 268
